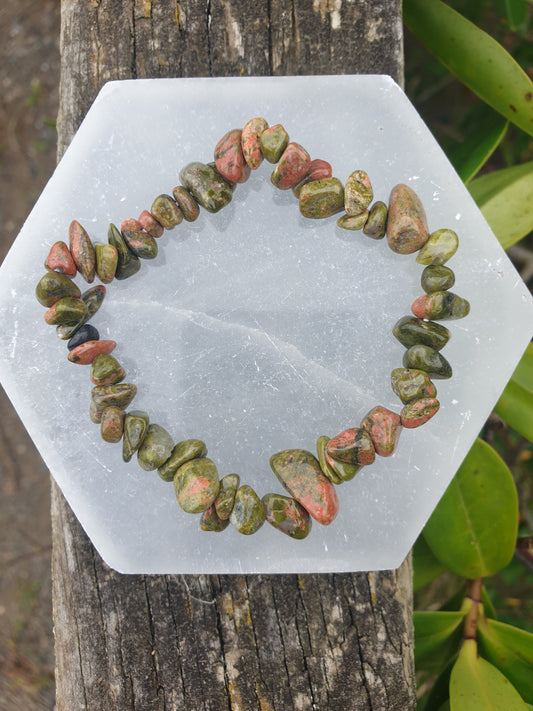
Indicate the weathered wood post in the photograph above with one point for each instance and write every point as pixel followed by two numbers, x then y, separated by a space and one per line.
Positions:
pixel 324 642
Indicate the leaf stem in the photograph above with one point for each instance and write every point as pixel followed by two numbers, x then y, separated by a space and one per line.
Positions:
pixel 470 621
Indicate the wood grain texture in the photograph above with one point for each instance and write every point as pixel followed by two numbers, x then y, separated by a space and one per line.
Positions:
pixel 137 643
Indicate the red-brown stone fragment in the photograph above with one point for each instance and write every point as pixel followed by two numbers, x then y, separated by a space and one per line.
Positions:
pixel 292 167
pixel 82 251
pixel 352 446
pixel 384 428
pixel 60 260
pixel 229 158
pixel 318 170
pixel 301 475
pixel 251 142
pixel 87 352
pixel 419 412
pixel 407 228
pixel 150 225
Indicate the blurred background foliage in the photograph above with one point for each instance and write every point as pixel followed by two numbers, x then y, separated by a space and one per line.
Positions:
pixel 461 123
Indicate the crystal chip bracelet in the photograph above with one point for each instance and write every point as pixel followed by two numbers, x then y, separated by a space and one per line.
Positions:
pixel 308 479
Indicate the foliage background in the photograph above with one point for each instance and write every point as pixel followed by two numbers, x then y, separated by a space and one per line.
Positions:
pixel 454 114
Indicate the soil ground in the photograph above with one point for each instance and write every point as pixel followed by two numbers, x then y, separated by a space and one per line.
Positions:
pixel 29 81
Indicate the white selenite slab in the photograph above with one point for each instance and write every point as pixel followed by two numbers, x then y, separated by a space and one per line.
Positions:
pixel 255 330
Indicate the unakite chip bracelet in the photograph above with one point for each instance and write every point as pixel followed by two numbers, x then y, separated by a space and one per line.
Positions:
pixel 309 480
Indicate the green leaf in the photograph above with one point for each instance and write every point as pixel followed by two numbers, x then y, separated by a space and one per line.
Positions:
pixel 476 685
pixel 511 650
pixel 471 155
pixel 440 693
pixel 504 198
pixel 523 373
pixel 515 406
pixel 425 566
pixel 437 637
pixel 473 529
pixel 474 57
pixel 488 607
pixel 517 14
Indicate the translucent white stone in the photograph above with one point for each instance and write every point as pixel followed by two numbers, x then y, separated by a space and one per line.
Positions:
pixel 256 330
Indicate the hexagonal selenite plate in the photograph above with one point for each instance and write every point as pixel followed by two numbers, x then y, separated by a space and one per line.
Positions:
pixel 255 329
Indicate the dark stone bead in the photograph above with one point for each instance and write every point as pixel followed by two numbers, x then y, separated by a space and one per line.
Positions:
pixel 83 334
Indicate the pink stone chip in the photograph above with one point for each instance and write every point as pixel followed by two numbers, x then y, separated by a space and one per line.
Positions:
pixel 251 142
pixel 407 227
pixel 60 260
pixel 384 428
pixel 318 170
pixel 82 251
pixel 419 412
pixel 229 158
pixel 85 353
pixel 150 225
pixel 292 168
pixel 353 446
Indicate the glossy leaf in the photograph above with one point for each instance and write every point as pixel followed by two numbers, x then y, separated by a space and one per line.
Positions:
pixel 523 373
pixel 471 155
pixel 511 650
pixel 504 198
pixel 476 685
pixel 425 566
pixel 515 406
pixel 474 57
pixel 437 638
pixel 473 529
pixel 440 691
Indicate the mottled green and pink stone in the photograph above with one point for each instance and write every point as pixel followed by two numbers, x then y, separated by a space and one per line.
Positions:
pixel 300 473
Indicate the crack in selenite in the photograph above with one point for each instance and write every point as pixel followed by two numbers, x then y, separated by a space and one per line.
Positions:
pixel 313 374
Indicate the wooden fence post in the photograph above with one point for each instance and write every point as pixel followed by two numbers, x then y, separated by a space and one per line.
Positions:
pixel 246 643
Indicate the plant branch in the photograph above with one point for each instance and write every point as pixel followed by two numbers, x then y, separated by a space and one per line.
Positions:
pixel 470 621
